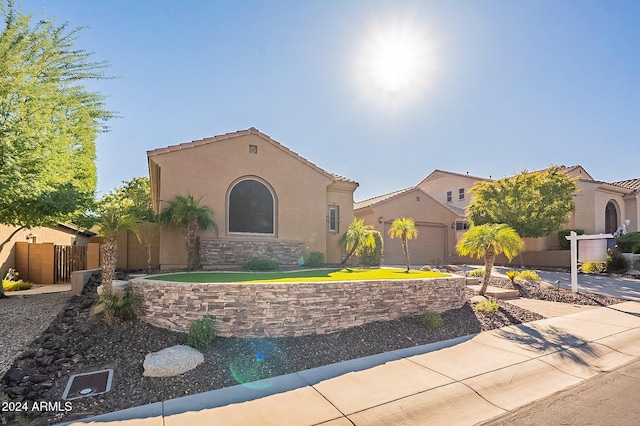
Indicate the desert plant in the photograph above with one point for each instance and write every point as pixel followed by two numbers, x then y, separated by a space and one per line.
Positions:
pixel 476 273
pixel 261 265
pixel 187 213
pixel 120 308
pixel 487 241
pixel 529 275
pixel 616 262
pixel 9 285
pixel 315 259
pixel 593 267
pixel 629 242
pixel 405 229
pixel 564 243
pixel 357 238
pixel 487 306
pixel 372 256
pixel 512 275
pixel 431 320
pixel 201 333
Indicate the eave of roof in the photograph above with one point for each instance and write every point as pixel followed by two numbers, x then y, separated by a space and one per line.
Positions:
pixel 250 131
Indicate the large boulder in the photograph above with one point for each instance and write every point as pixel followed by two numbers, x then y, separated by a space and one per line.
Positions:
pixel 172 361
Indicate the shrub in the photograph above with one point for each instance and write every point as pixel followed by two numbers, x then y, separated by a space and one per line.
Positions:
pixel 564 243
pixel 118 309
pixel 8 285
pixel 201 333
pixel 477 273
pixel 487 306
pixel 315 259
pixel 372 256
pixel 593 267
pixel 529 275
pixel 431 320
pixel 629 242
pixel 261 265
pixel 616 262
pixel 512 275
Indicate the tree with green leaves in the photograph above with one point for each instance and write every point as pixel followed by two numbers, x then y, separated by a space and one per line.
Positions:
pixel 487 241
pixel 48 121
pixel 135 196
pixel 357 238
pixel 405 229
pixel 534 204
pixel 187 213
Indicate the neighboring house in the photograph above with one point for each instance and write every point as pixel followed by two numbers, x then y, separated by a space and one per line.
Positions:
pixel 61 235
pixel 435 222
pixel 269 202
pixel 600 207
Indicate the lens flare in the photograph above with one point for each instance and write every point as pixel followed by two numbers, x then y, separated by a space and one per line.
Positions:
pixel 259 359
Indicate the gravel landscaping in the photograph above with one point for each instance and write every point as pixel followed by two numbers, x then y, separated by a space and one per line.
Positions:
pixel 78 342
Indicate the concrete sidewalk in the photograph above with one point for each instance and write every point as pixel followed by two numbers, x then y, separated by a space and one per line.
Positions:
pixel 464 381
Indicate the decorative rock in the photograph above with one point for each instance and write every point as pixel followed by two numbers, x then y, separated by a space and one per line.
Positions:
pixel 477 299
pixel 172 361
pixel 546 286
pixel 425 268
pixel 14 375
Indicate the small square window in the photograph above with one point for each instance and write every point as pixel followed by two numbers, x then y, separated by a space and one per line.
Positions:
pixel 461 194
pixel 449 196
pixel 253 149
pixel 462 226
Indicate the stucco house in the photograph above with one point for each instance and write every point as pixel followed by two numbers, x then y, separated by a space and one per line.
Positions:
pixel 269 202
pixel 600 207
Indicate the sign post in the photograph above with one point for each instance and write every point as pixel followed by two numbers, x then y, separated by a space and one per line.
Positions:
pixel 574 238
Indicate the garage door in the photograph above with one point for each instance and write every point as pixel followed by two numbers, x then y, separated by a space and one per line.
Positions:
pixel 430 245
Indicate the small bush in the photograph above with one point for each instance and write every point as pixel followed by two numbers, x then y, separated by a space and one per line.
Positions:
pixel 118 309
pixel 564 243
pixel 201 333
pixel 476 273
pixel 372 256
pixel 529 275
pixel 8 285
pixel 261 265
pixel 512 275
pixel 431 320
pixel 616 262
pixel 629 242
pixel 487 306
pixel 315 259
pixel 593 267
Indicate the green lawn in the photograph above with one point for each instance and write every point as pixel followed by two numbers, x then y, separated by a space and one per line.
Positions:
pixel 298 276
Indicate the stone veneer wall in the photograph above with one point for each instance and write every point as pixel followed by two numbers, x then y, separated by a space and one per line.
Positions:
pixel 240 251
pixel 293 309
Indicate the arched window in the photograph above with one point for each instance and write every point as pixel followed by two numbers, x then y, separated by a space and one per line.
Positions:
pixel 610 218
pixel 251 208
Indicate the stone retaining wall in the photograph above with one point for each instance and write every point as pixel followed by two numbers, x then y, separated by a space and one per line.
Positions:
pixel 293 309
pixel 221 251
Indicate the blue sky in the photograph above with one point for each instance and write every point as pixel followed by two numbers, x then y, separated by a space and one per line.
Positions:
pixel 489 87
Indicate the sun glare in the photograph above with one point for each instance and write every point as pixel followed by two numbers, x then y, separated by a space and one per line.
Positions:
pixel 395 62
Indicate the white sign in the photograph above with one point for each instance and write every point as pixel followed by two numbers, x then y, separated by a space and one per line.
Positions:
pixel 574 253
pixel 592 251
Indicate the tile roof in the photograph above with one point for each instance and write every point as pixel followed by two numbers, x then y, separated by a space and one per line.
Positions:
pixel 631 184
pixel 380 198
pixel 249 131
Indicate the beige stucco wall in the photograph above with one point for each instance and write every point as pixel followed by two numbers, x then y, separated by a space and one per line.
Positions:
pixel 439 183
pixel 423 209
pixel 59 236
pixel 632 207
pixel 210 169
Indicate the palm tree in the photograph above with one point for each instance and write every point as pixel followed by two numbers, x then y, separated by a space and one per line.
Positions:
pixel 487 241
pixel 358 237
pixel 110 221
pixel 405 229
pixel 187 213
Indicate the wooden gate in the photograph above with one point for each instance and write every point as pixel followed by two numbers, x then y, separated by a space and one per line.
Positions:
pixel 67 259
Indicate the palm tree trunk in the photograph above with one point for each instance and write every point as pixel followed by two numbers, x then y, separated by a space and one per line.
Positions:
pixel 489 259
pixel 190 233
pixel 405 249
pixel 108 262
pixel 348 256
